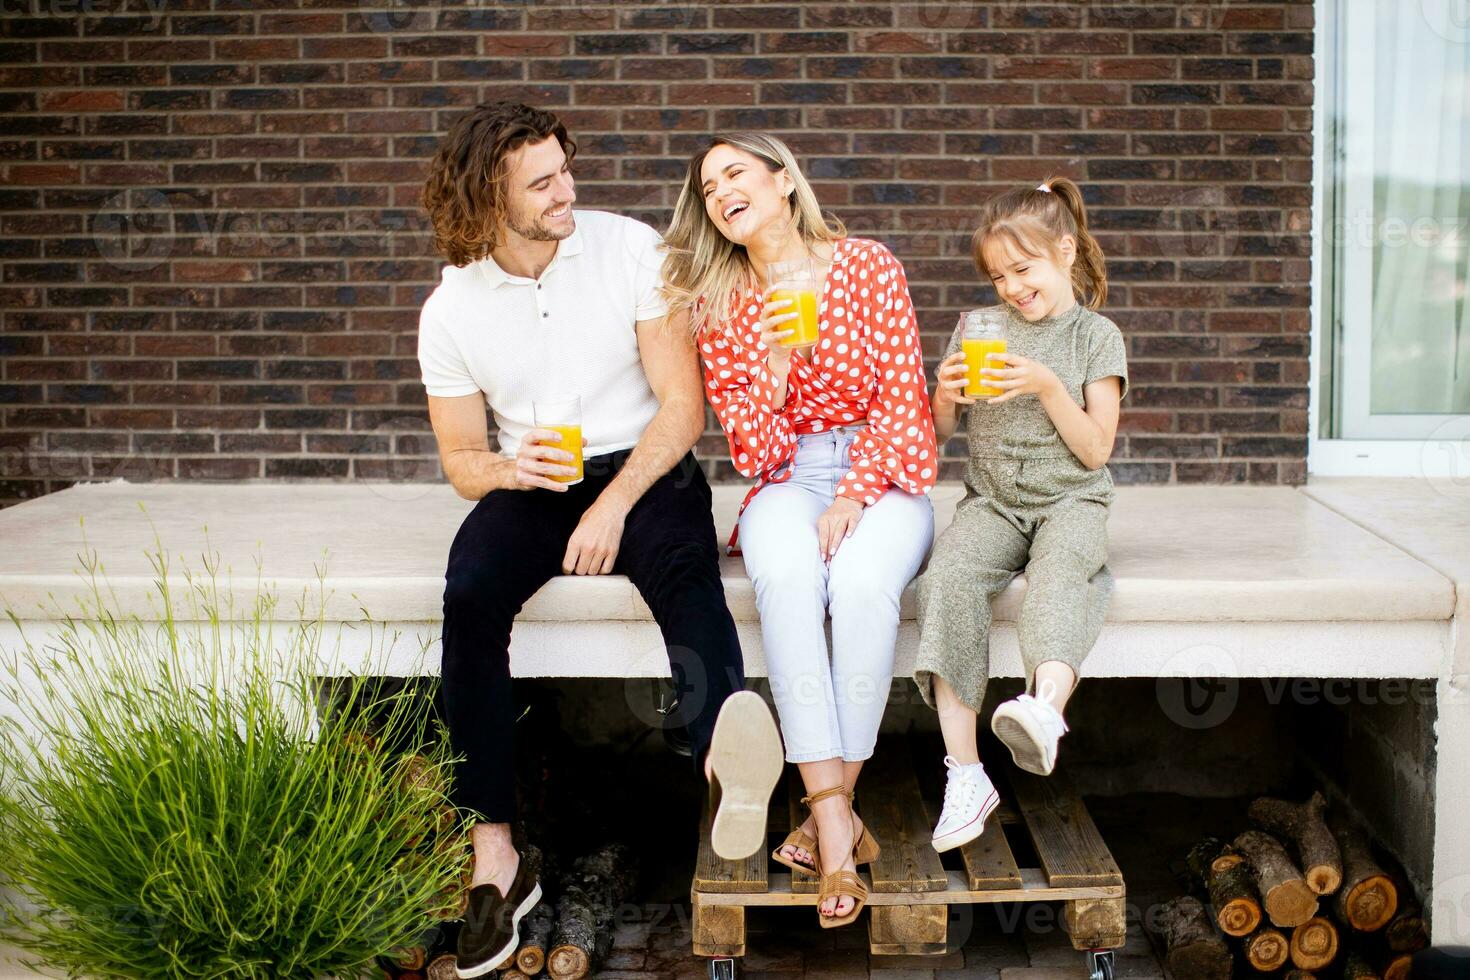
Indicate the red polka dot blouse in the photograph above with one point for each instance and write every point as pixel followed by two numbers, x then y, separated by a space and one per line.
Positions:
pixel 867 370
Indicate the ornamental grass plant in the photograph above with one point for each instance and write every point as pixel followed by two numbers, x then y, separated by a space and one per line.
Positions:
pixel 178 799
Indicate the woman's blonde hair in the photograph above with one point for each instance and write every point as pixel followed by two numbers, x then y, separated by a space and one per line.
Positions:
pixel 700 262
pixel 1033 221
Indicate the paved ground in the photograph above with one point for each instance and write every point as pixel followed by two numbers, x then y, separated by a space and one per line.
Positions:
pixel 784 944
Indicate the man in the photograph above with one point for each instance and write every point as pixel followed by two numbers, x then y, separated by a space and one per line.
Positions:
pixel 540 303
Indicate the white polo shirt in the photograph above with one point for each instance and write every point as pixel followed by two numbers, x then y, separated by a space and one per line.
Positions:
pixel 571 332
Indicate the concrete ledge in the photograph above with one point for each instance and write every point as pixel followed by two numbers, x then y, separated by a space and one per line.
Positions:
pixel 1179 554
pixel 1222 581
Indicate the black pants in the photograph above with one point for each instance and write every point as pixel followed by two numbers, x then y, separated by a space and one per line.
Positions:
pixel 511 544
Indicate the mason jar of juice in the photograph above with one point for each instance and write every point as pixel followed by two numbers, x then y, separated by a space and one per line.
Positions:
pixel 563 417
pixel 796 281
pixel 983 336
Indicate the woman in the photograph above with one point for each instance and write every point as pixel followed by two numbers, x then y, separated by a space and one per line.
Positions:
pixel 840 439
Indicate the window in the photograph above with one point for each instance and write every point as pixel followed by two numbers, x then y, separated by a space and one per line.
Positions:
pixel 1395 165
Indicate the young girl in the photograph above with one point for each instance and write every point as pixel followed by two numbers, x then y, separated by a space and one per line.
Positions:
pixel 1036 494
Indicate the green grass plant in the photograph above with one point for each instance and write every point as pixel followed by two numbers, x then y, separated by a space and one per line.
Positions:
pixel 174 802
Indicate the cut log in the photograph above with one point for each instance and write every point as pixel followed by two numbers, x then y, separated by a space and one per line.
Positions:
pixel 410 957
pixel 1233 894
pixel 1368 898
pixel 1295 974
pixel 1288 900
pixel 1373 950
pixel 1396 966
pixel 1267 949
pixel 442 968
pixel 1202 856
pixel 1305 825
pixel 591 893
pixel 1356 967
pixel 1220 872
pixel 1195 949
pixel 536 929
pixel 1405 932
pixel 1314 944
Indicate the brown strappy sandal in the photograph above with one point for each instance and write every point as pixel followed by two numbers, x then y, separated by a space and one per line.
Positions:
pixel 866 851
pixel 838 883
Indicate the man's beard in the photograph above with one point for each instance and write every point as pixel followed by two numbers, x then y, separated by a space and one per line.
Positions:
pixel 535 231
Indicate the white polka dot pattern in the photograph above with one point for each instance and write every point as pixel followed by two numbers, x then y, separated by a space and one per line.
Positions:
pixel 867 369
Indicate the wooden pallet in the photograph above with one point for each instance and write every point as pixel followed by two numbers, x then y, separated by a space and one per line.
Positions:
pixel 909 886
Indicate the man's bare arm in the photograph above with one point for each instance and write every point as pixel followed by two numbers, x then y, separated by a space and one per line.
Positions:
pixel 672 367
pixel 470 465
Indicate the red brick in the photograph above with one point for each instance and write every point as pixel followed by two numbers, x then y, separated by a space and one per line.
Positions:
pixel 899 42
pixel 86 101
pixel 49 174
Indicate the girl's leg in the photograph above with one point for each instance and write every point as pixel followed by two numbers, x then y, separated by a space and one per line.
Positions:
pixel 1067 590
pixel 1068 587
pixel 957 723
pixel 973 561
pixel 1054 680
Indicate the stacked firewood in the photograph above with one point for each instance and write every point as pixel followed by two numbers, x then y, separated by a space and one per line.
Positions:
pixel 567 936
pixel 1301 892
pixel 570 938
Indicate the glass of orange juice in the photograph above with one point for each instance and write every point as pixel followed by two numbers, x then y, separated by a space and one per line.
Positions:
pixel 796 281
pixel 983 336
pixel 564 417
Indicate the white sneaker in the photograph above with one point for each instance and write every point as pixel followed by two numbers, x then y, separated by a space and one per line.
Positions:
pixel 1030 727
pixel 969 797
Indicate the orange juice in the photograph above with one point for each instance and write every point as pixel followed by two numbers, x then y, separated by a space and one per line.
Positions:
pixel 571 441
pixel 976 350
pixel 804 302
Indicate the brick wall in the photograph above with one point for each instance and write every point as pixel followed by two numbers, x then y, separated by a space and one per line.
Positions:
pixel 211 253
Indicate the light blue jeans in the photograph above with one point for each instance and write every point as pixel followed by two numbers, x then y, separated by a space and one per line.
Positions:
pixel 830 707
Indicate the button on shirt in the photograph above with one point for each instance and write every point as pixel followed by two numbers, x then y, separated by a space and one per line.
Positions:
pixel 571 332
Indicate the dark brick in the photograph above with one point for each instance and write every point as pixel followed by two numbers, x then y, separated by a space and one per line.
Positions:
pixel 1176 94
pixel 1274 42
pixel 592 44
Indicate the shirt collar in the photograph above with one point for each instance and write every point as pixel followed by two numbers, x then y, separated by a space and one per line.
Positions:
pixel 494 275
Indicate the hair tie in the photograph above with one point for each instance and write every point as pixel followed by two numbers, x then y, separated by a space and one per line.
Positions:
pixel 1043 188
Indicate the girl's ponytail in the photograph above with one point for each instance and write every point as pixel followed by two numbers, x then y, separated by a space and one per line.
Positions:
pixel 1089 272
pixel 1035 219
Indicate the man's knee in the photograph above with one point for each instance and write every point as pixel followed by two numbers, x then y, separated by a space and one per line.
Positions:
pixel 681 567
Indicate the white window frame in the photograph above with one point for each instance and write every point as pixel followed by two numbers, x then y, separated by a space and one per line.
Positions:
pixel 1445 453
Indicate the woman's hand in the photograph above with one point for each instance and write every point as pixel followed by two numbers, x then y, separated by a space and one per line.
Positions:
pixel 836 525
pixel 950 382
pixel 1020 376
pixel 774 317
